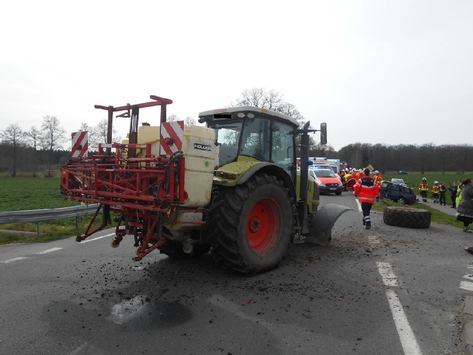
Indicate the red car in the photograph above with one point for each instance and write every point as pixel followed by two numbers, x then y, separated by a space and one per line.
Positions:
pixel 327 180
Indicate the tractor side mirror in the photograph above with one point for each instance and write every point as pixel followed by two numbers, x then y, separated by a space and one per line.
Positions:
pixel 323 133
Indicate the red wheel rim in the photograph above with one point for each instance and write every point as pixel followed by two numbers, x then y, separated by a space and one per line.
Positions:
pixel 262 226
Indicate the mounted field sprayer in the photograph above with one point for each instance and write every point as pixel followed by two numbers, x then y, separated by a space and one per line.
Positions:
pixel 232 187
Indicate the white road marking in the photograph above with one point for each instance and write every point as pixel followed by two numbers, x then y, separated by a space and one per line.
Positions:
pixel 468 277
pixel 48 251
pixel 52 249
pixel 94 239
pixel 12 260
pixel 466 285
pixel 406 335
pixel 359 205
pixel 387 273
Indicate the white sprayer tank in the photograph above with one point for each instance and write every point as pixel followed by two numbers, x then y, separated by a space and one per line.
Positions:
pixel 201 156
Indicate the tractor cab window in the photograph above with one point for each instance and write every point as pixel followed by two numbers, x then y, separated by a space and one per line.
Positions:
pixel 255 140
pixel 227 139
pixel 282 146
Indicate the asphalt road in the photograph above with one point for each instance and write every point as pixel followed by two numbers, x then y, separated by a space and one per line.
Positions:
pixel 387 290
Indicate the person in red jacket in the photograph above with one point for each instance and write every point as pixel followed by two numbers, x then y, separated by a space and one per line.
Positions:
pixel 366 190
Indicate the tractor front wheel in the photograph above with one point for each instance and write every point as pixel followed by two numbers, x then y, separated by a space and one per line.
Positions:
pixel 250 225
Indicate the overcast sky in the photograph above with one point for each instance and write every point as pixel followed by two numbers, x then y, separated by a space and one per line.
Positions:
pixel 392 72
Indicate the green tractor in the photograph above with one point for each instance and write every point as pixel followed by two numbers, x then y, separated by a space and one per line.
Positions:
pixel 235 188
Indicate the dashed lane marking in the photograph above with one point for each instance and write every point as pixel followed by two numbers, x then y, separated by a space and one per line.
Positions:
pixel 48 251
pixel 94 239
pixel 387 273
pixel 466 285
pixel 406 335
pixel 8 261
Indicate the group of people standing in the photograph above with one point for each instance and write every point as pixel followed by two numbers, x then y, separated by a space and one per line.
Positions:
pixel 439 192
pixel 461 194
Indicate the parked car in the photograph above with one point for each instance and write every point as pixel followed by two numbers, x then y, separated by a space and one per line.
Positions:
pixel 403 172
pixel 398 181
pixel 327 180
pixel 396 192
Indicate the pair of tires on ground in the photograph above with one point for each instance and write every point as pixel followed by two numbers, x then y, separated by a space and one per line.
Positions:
pixel 407 217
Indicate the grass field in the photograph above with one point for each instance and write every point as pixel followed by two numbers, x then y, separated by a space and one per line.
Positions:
pixel 28 193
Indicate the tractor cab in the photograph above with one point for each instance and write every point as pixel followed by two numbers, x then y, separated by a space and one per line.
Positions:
pixel 251 134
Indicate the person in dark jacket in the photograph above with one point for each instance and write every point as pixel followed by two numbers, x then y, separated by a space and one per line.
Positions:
pixel 442 194
pixel 366 190
pixel 453 194
pixel 465 207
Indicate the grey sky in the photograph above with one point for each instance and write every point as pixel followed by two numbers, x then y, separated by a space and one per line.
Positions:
pixel 393 72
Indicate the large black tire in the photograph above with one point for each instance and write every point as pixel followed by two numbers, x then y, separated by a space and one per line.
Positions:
pixel 250 225
pixel 407 217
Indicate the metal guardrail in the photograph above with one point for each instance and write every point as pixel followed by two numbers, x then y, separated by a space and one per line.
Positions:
pixel 42 215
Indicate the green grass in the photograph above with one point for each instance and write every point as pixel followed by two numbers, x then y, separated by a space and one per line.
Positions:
pixel 28 193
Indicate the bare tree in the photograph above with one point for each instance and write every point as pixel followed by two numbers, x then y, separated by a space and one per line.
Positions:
pixel 172 118
pixel 188 121
pixel 99 134
pixel 13 135
pixel 33 137
pixel 52 136
pixel 271 100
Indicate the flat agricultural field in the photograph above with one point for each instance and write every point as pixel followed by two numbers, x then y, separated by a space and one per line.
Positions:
pixel 29 193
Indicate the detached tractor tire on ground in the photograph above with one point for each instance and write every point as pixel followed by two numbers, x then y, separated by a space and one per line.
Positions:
pixel 250 225
pixel 407 217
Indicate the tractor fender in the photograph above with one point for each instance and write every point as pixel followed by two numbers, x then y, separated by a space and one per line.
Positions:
pixel 246 169
pixel 322 222
pixel 274 170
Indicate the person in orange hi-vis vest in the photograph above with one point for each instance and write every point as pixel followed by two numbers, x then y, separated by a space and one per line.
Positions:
pixel 436 191
pixel 377 177
pixel 423 188
pixel 367 191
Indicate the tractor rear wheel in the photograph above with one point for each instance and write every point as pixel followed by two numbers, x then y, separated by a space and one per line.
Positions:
pixel 250 225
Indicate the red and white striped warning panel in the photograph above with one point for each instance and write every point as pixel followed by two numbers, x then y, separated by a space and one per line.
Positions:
pixel 172 134
pixel 80 144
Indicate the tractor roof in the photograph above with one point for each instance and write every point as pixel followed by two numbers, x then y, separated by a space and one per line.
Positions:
pixel 228 113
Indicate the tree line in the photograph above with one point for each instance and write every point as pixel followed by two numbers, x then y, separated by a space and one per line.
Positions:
pixel 41 149
pixel 24 157
pixel 410 157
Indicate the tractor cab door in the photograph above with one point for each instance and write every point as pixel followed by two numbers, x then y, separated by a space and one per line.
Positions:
pixel 269 140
